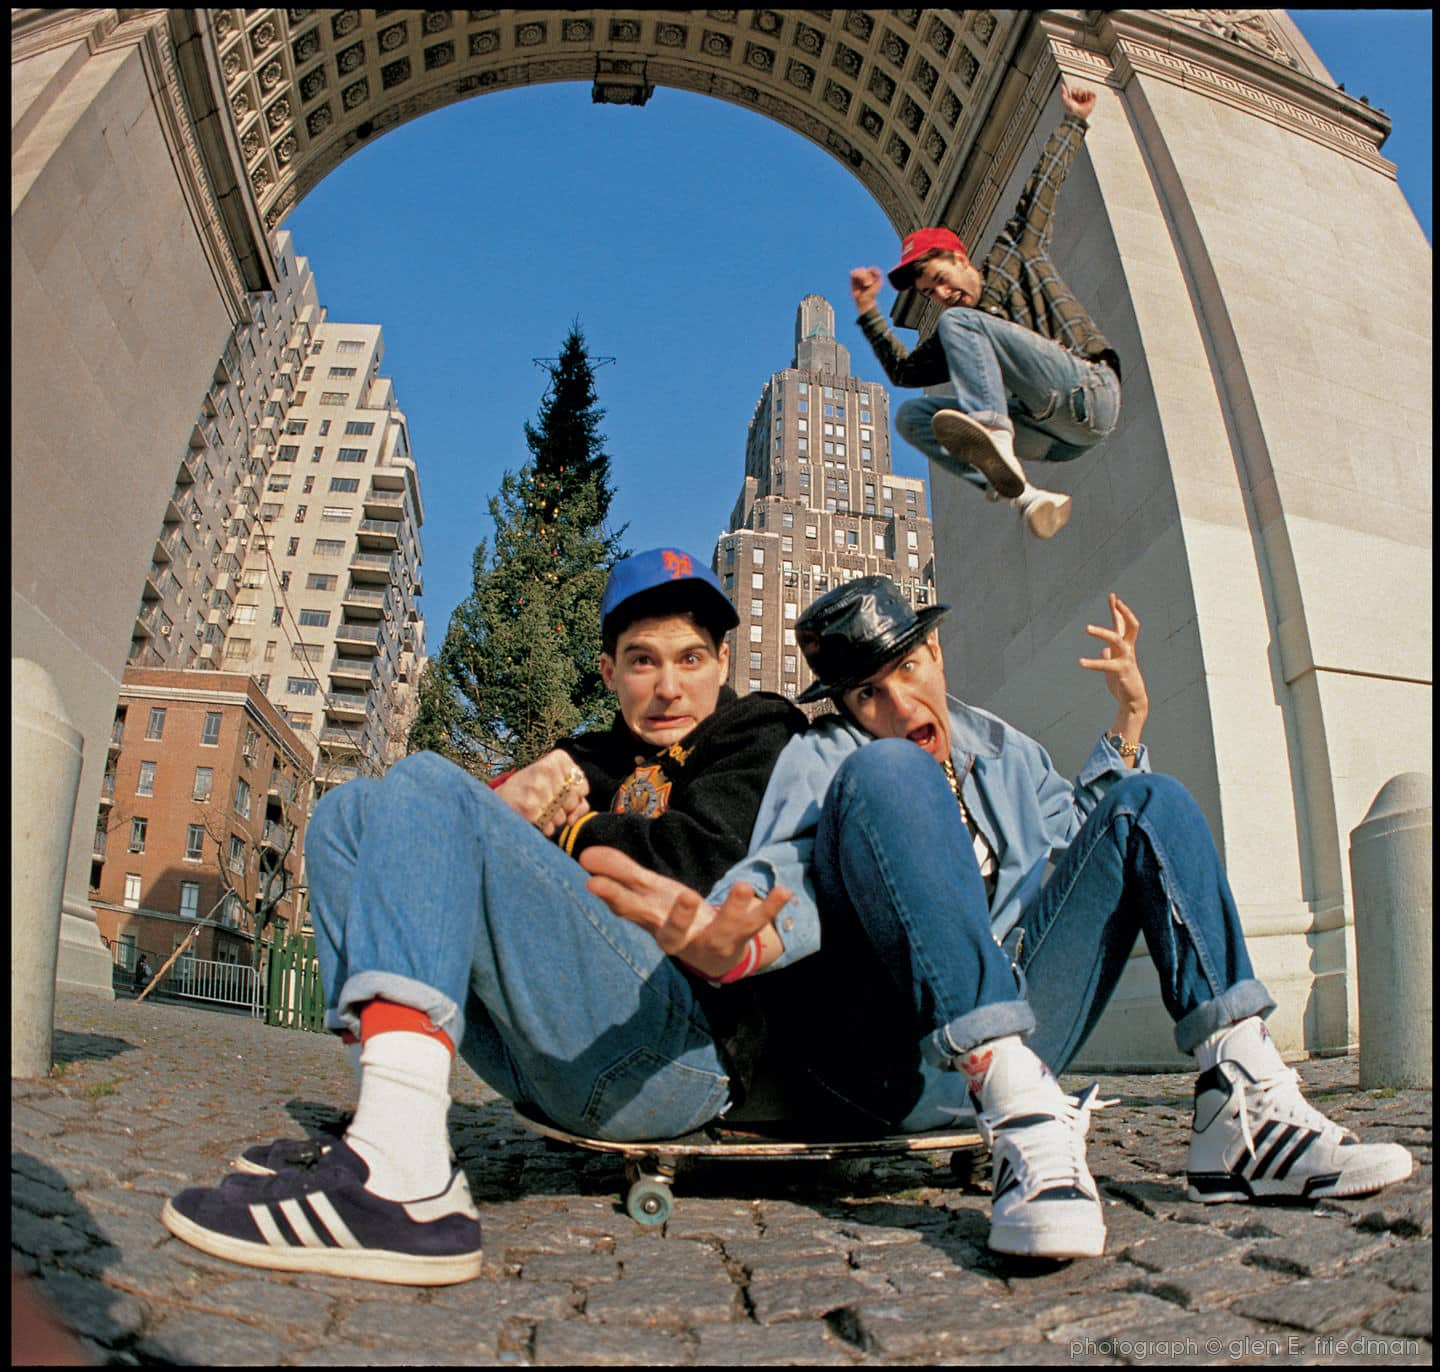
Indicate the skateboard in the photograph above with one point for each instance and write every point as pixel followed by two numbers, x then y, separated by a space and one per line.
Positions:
pixel 650 1167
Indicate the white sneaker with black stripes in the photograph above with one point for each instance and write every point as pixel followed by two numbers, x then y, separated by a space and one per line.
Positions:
pixel 319 1216
pixel 1044 1202
pixel 1258 1137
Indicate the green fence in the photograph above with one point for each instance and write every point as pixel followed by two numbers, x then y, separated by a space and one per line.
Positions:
pixel 294 998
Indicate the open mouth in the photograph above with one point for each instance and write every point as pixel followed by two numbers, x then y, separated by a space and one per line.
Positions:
pixel 927 736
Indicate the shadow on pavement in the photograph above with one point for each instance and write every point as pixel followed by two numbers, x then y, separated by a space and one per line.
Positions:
pixel 73 1047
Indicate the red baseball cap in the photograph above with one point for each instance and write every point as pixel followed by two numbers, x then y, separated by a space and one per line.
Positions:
pixel 916 245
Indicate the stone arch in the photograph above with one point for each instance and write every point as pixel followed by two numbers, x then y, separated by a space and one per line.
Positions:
pixel 893 95
pixel 153 151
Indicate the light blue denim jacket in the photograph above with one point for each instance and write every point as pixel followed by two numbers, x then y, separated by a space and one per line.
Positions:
pixel 1027 811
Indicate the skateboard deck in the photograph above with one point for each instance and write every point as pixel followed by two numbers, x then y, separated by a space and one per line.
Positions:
pixel 651 1165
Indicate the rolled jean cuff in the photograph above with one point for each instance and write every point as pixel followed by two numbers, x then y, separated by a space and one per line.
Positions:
pixel 1245 998
pixel 980 1025
pixel 360 989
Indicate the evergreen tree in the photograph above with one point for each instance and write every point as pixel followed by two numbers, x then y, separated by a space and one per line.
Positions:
pixel 520 665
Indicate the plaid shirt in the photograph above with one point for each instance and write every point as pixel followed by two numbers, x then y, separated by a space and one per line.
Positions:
pixel 1020 281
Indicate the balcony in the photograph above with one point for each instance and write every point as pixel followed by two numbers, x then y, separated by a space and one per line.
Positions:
pixel 388 479
pixel 363 604
pixel 188 469
pixel 351 669
pixel 384 504
pixel 281 787
pixel 363 636
pixel 275 837
pixel 378 533
pixel 107 789
pixel 371 567
pixel 347 705
pixel 340 740
pixel 333 774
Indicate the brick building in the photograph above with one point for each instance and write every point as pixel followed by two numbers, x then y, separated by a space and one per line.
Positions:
pixel 820 504
pixel 203 802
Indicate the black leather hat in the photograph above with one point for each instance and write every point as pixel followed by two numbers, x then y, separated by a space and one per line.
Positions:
pixel 857 628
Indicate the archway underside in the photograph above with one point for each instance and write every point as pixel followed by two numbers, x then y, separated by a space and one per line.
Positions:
pixel 895 95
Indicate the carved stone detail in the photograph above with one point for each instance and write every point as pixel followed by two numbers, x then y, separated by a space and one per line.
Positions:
pixel 1251 27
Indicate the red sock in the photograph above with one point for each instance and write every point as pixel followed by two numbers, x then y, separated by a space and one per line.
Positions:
pixel 385 1016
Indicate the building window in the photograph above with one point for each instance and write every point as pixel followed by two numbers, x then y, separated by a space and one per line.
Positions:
pixel 912 539
pixel 787 543
pixel 189 900
pixel 307 373
pixel 245 614
pixel 789 638
pixel 137 834
pixel 789 609
pixel 912 560
pixel 156 727
pixel 145 786
pixel 288 452
pixel 295 426
pixel 204 778
pixel 790 663
pixel 787 519
pixel 757 633
pixel 757 581
pixel 864 416
pixel 300 686
pixel 334 398
pixel 341 371
pixel 324 430
pixel 237 649
pixel 851 537
pixel 319 618
pixel 300 512
pixel 329 547
pixel 237 855
pixel 320 581
pixel 362 427
pixel 350 345
pixel 210 731
pixel 242 797
pixel 352 455
pixel 336 513
pixel 277 615
pixel 308 486
pixel 195 839
pixel 757 556
pixel 754 662
pixel 132 890
pixel 346 484
pixel 757 608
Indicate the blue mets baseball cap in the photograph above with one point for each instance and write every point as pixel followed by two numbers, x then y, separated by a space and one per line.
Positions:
pixel 645 571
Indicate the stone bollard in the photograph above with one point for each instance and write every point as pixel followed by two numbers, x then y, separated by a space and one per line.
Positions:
pixel 46 752
pixel 1390 855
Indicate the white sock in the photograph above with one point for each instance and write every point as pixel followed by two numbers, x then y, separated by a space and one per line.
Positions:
pixel 1004 1069
pixel 1247 1042
pixel 400 1124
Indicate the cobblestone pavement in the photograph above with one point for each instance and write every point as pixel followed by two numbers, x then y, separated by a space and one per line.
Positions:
pixel 761 1263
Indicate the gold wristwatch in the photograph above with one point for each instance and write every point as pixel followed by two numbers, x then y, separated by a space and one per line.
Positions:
pixel 1117 742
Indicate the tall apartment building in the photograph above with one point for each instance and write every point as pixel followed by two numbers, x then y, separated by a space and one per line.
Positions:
pixel 820 504
pixel 190 589
pixel 205 796
pixel 326 614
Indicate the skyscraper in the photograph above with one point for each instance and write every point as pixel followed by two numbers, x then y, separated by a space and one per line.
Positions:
pixel 819 505
pixel 327 614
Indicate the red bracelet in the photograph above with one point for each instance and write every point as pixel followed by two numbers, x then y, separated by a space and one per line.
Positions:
pixel 749 961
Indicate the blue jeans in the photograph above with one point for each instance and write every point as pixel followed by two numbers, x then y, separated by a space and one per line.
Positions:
pixel 1010 377
pixel 912 972
pixel 429 890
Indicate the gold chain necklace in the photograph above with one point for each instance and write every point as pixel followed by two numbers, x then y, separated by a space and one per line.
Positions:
pixel 955 787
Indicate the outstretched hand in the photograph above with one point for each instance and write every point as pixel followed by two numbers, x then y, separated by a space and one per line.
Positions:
pixel 679 919
pixel 1077 100
pixel 1117 659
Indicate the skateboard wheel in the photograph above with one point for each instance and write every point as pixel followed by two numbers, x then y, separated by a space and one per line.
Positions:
pixel 649 1202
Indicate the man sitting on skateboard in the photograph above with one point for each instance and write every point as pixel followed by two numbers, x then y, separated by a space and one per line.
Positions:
pixel 1032 376
pixel 449 914
pixel 928 826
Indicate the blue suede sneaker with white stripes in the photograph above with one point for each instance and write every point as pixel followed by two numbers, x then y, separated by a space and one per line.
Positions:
pixel 319 1217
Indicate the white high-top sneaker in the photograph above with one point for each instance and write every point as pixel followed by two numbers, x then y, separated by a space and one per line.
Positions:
pixel 1046 512
pixel 1255 1135
pixel 990 451
pixel 1044 1202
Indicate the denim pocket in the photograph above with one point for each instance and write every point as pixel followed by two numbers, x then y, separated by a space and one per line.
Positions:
pixel 647 1095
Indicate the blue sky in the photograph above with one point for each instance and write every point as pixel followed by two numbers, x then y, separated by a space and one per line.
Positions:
pixel 682 235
